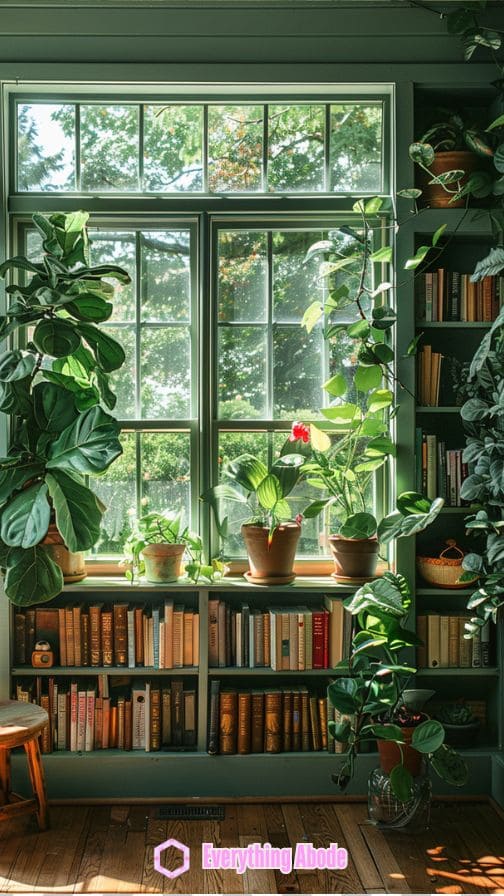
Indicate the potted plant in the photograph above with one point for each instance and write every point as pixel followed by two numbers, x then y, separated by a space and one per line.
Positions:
pixel 459 722
pixel 53 391
pixel 371 697
pixel 449 153
pixel 270 532
pixel 157 546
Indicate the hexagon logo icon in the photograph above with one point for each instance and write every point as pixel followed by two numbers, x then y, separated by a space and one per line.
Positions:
pixel 185 858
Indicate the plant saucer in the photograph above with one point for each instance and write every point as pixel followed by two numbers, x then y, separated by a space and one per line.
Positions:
pixel 269 580
pixel 352 580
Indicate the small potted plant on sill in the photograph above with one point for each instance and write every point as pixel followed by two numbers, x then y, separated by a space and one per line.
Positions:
pixel 54 391
pixel 271 534
pixel 371 700
pixel 157 546
pixel 460 723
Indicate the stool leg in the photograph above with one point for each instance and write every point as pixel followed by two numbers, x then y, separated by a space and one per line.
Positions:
pixel 5 775
pixel 36 770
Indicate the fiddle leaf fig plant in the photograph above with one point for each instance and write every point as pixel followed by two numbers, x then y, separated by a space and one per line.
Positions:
pixel 55 390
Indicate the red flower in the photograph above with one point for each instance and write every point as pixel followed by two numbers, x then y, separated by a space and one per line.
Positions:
pixel 299 518
pixel 299 431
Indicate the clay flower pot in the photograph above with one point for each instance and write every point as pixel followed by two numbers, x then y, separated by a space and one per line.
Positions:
pixel 271 563
pixel 354 558
pixel 163 562
pixel 390 754
pixel 434 195
pixel 71 563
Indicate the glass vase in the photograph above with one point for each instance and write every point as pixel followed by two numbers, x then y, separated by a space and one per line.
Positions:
pixel 387 811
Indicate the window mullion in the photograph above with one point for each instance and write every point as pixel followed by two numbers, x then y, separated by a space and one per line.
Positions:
pixel 78 178
pixel 141 109
pixel 327 148
pixel 138 326
pixel 265 148
pixel 269 334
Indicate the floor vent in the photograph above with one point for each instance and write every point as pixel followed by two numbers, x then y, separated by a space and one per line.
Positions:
pixel 192 813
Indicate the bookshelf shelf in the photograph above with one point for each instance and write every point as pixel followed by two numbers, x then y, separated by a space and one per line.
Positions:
pixel 113 585
pixel 448 592
pixel 267 671
pixel 434 409
pixel 452 324
pixel 486 672
pixel 90 671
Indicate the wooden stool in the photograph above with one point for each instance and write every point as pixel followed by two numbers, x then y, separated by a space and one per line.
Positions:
pixel 21 725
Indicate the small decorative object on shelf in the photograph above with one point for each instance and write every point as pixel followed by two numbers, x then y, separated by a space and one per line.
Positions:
pixel 445 571
pixel 42 656
pixel 461 725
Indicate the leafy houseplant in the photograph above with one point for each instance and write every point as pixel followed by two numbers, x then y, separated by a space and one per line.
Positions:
pixel 270 533
pixel 53 391
pixel 157 548
pixel 460 724
pixel 355 442
pixel 370 699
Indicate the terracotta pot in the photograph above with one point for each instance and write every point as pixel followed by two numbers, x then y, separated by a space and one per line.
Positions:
pixel 274 561
pixel 71 563
pixel 434 195
pixel 163 562
pixel 390 754
pixel 354 557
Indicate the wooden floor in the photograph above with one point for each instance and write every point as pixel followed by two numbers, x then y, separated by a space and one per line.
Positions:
pixel 109 849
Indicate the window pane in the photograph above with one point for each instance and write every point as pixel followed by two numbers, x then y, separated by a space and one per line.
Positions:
pixel 166 367
pixel 298 372
pixel 356 154
pixel 117 248
pixel 243 276
pixel 231 445
pixel 166 472
pixel 123 380
pixel 235 147
pixel 166 276
pixel 296 283
pixel 116 488
pixel 242 373
pixel 46 147
pixel 173 148
pixel 109 148
pixel 296 148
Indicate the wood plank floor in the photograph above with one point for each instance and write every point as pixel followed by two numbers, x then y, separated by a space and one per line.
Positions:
pixel 110 849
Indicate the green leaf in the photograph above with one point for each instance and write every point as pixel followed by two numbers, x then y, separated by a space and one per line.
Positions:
pixel 401 783
pixel 410 193
pixel 367 378
pixel 382 255
pixel 379 400
pixel 247 471
pixel 438 234
pixel 312 316
pixel 388 732
pixel 56 337
pixel 359 330
pixel 108 352
pixel 78 514
pixel 16 365
pixel 31 577
pixel 448 177
pixel 14 478
pixel 336 386
pixel 373 205
pixel 345 413
pixel 490 266
pixel 54 407
pixel 449 766
pixel 421 153
pixel 90 307
pixel 89 445
pixel 316 248
pixel 19 262
pixel 418 257
pixel 413 502
pixel 428 737
pixel 85 396
pixel 383 352
pixel 412 346
pixel 269 492
pixel 384 317
pixel 359 525
pixel 25 519
pixel 342 694
pixel 340 731
pixel 315 508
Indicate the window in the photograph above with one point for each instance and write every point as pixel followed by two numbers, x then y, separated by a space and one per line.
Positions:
pixel 211 206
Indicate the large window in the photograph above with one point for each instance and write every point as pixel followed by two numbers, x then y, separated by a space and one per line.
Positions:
pixel 217 359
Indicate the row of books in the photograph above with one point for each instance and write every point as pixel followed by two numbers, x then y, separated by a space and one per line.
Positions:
pixel 283 638
pixel 440 470
pixel 85 717
pixel 429 368
pixel 451 296
pixel 445 646
pixel 276 720
pixel 119 634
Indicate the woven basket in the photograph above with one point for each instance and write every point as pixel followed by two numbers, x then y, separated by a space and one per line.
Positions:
pixel 444 571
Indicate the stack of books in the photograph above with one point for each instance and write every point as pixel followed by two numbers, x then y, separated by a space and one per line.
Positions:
pixel 429 366
pixel 451 296
pixel 440 471
pixel 284 638
pixel 85 716
pixel 444 644
pixel 269 720
pixel 118 634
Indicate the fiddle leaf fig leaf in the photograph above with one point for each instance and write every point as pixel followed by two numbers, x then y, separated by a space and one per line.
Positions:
pixel 31 576
pixel 89 445
pixel 78 513
pixel 25 519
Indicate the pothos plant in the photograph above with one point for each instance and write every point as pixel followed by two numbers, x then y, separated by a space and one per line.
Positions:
pixel 370 698
pixel 355 442
pixel 54 391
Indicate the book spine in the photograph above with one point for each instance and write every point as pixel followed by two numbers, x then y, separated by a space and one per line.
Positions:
pixel 257 722
pixel 95 635
pixel 272 722
pixel 244 721
pixel 213 730
pixel 228 722
pixel 120 613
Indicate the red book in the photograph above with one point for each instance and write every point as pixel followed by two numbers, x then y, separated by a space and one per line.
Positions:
pixel 326 639
pixel 318 639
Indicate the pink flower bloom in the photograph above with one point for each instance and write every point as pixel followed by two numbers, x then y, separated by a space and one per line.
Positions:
pixel 299 518
pixel 299 431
